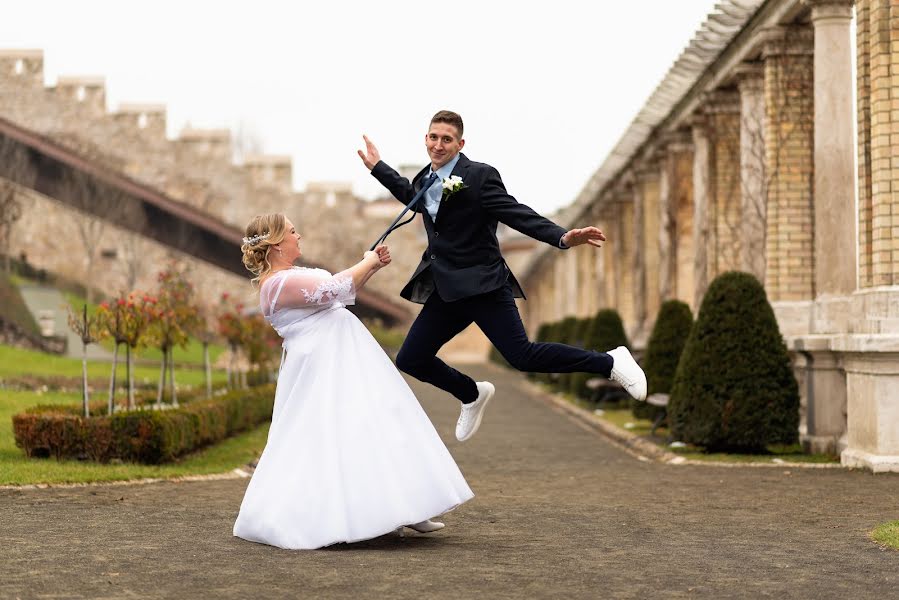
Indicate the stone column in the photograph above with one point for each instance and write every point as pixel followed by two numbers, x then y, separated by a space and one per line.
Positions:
pixel 701 180
pixel 753 192
pixel 835 214
pixel 872 380
pixel 626 277
pixel 613 254
pixel 638 260
pixel 649 180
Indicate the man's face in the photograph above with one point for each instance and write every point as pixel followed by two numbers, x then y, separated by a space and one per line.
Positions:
pixel 443 144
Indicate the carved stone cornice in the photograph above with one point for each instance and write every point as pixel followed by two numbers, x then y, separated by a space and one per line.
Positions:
pixel 788 40
pixel 750 76
pixel 830 10
pixel 721 101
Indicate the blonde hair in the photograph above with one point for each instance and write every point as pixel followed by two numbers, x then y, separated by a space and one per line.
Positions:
pixel 262 232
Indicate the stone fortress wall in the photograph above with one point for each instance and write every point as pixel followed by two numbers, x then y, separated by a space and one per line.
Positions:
pixel 195 168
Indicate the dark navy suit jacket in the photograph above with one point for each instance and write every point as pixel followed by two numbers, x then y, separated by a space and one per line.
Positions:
pixel 463 258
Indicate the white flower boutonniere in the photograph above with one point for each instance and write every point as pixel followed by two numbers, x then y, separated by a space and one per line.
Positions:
pixel 451 185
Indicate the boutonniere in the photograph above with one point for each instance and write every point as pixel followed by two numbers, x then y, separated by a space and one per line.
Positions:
pixel 451 185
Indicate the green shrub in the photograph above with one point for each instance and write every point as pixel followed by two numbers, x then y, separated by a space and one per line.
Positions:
pixel 663 351
pixel 145 435
pixel 570 334
pixel 605 332
pixel 734 388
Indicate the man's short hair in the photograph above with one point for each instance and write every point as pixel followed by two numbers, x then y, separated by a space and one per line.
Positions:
pixel 450 118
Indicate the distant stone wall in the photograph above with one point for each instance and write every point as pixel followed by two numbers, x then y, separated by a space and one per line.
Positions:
pixel 196 168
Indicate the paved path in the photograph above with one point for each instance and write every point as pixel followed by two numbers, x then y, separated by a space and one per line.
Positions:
pixel 39 298
pixel 559 512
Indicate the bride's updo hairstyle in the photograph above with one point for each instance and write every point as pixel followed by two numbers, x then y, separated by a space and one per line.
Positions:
pixel 263 232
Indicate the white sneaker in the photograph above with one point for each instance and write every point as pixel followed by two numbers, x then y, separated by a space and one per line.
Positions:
pixel 628 373
pixel 472 413
pixel 427 526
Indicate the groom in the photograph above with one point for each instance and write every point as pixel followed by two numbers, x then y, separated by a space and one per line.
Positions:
pixel 462 277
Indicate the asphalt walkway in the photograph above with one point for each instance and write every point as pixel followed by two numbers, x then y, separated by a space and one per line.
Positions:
pixel 559 512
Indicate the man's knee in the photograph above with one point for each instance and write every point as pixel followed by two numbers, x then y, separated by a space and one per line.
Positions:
pixel 406 361
pixel 518 360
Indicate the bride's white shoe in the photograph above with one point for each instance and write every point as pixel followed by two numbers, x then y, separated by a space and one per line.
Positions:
pixel 427 526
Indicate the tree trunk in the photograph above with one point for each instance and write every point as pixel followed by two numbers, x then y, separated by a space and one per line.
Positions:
pixel 130 378
pixel 115 363
pixel 161 386
pixel 207 368
pixel 172 376
pixel 87 410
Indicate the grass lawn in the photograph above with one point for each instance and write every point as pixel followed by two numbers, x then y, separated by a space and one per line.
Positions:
pixel 16 469
pixel 17 362
pixel 887 534
pixel 623 418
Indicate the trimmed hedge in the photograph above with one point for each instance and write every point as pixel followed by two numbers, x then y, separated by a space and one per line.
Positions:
pixel 663 351
pixel 145 435
pixel 605 332
pixel 734 388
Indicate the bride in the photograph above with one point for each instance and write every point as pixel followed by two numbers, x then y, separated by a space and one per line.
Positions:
pixel 350 455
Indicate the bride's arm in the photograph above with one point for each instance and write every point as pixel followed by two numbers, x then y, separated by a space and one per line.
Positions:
pixel 383 260
pixel 303 288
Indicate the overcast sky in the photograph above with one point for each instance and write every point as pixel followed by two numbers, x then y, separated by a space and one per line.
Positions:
pixel 545 89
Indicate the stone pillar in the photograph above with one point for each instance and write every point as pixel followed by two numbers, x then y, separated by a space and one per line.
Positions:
pixel 789 122
pixel 648 179
pixel 638 262
pixel 613 254
pixel 626 281
pixel 863 126
pixel 559 287
pixel 701 181
pixel 835 271
pixel 872 381
pixel 753 194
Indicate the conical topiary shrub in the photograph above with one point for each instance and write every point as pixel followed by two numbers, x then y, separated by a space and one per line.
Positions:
pixel 734 388
pixel 605 332
pixel 663 351
pixel 569 335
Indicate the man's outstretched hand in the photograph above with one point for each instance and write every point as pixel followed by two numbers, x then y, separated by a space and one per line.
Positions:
pixel 371 156
pixel 587 235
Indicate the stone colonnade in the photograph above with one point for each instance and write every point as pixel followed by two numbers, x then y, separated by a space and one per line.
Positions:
pixel 753 168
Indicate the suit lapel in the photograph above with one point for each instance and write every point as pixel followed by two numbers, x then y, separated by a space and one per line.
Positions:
pixel 419 179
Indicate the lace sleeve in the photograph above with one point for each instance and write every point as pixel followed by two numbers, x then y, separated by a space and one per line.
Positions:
pixel 305 288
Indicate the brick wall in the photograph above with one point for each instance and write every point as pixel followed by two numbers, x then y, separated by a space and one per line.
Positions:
pixel 789 163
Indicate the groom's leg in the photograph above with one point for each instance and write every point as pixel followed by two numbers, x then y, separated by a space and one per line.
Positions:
pixel 497 316
pixel 437 323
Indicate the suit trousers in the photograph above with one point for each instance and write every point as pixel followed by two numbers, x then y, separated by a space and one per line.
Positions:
pixel 497 315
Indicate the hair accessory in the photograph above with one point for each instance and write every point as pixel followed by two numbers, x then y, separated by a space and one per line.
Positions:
pixel 256 238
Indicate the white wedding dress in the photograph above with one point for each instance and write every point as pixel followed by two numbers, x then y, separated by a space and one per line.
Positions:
pixel 350 455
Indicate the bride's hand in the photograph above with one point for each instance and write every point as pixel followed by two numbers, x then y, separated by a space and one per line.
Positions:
pixel 383 253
